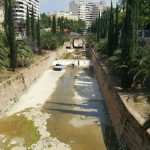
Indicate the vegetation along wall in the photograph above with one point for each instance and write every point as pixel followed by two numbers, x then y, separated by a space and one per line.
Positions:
pixel 127 128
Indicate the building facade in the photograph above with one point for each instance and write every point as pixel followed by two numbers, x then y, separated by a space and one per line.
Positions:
pixel 87 11
pixel 73 7
pixel 20 10
pixel 1 18
pixel 91 13
pixel 67 15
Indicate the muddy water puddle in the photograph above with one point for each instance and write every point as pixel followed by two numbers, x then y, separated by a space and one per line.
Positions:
pixel 15 130
pixel 79 115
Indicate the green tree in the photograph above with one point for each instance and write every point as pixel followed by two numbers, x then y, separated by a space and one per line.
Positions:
pixel 49 22
pixel 98 27
pixel 116 28
pixel 111 32
pixel 11 36
pixel 24 54
pixel 142 67
pixel 51 41
pixel 28 33
pixel 33 24
pixel 74 25
pixel 60 23
pixel 144 14
pixel 38 35
pixel 45 21
pixel 102 27
pixel 6 16
pixel 105 23
pixel 54 25
pixel 129 47
pixel 136 25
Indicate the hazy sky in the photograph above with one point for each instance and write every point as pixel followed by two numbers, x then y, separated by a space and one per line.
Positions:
pixel 59 5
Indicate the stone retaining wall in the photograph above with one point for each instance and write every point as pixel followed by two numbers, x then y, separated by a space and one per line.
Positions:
pixel 127 128
pixel 13 88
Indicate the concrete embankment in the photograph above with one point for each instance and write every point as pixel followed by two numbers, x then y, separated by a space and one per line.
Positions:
pixel 14 87
pixel 127 127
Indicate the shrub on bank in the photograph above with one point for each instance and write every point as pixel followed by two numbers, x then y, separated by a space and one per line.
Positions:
pixel 91 38
pixel 4 61
pixel 24 54
pixel 103 47
pixel 141 66
pixel 3 39
pixel 52 41
pixel 115 62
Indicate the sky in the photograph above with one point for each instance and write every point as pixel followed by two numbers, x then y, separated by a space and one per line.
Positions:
pixel 59 5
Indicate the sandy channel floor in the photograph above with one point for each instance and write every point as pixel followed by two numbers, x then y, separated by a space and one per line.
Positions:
pixel 30 105
pixel 38 93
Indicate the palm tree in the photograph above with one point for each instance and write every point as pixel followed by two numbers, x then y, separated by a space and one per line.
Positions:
pixel 142 67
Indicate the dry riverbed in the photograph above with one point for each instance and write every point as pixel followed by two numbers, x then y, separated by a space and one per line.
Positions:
pixel 61 111
pixel 23 126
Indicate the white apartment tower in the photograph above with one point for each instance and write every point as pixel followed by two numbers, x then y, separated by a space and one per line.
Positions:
pixel 87 11
pixel 73 7
pixel 20 10
pixel 91 13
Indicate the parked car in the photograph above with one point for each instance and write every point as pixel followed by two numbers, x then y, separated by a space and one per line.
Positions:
pixel 57 67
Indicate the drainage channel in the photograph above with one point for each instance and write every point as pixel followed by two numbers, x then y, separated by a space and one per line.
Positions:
pixel 79 115
pixel 75 114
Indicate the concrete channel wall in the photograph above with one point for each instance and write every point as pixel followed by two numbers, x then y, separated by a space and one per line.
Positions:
pixel 127 128
pixel 11 89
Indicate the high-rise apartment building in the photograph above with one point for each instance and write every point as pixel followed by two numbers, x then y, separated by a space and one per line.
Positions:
pixel 1 17
pixel 74 7
pixel 20 10
pixel 91 12
pixel 87 11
